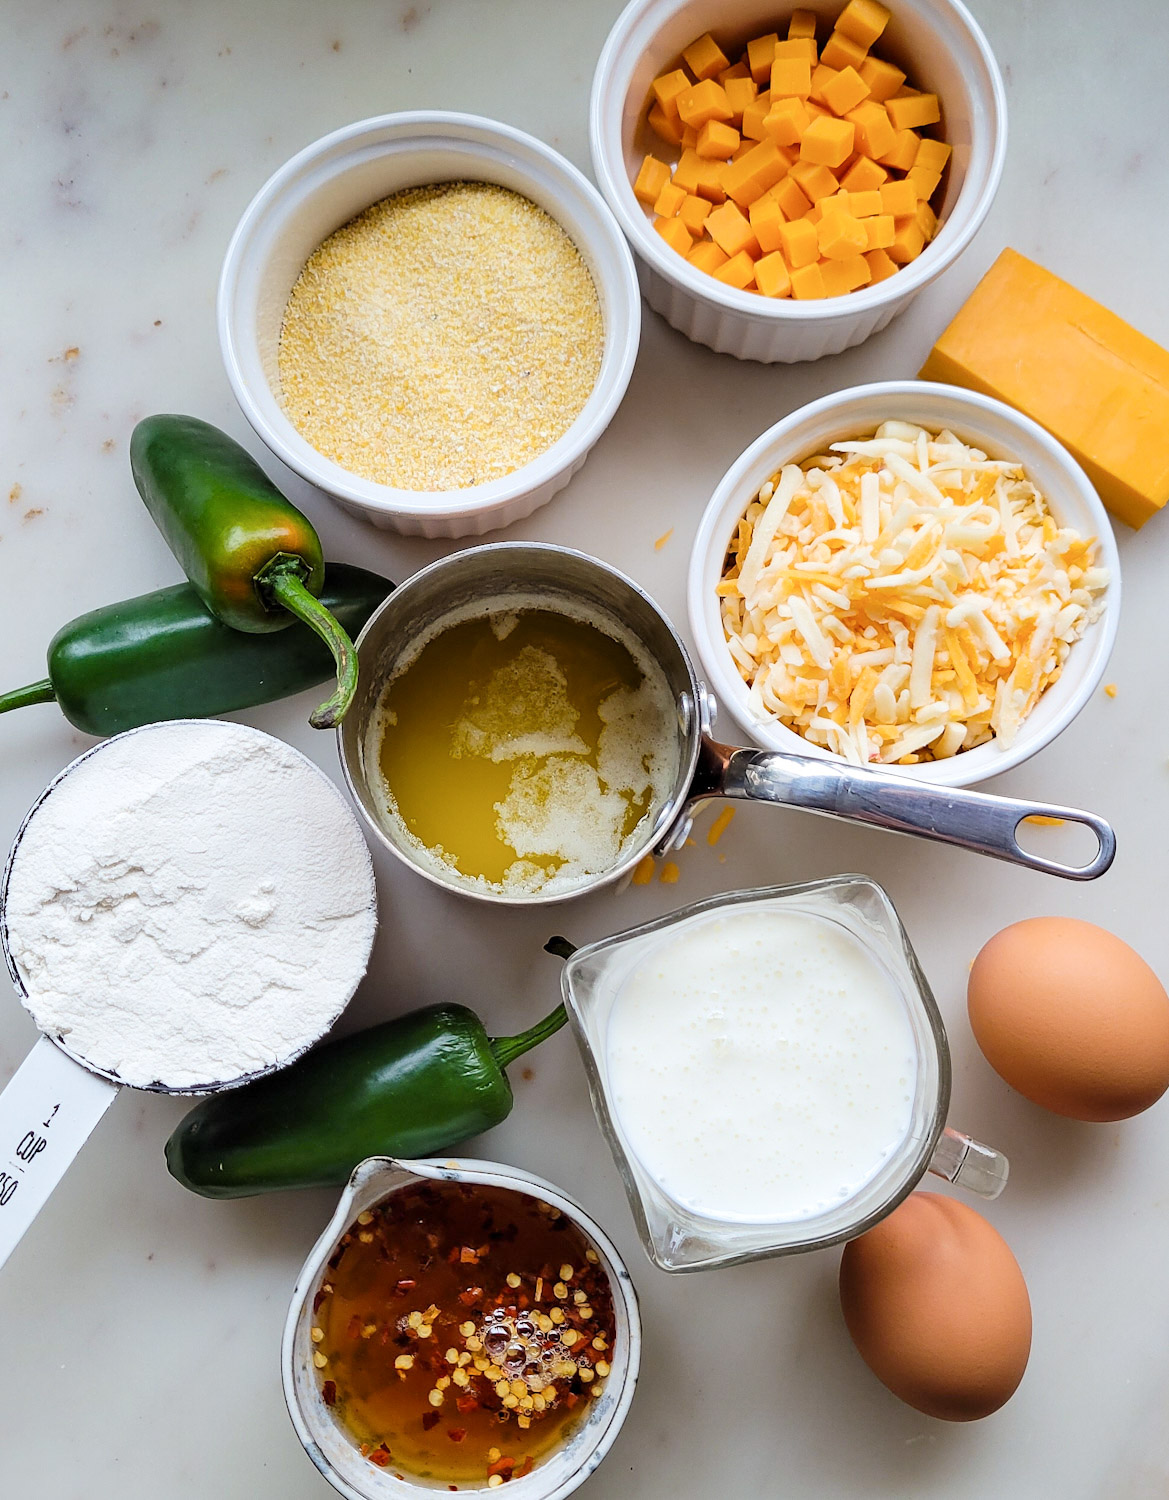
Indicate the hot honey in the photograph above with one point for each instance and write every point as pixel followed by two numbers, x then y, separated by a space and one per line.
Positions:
pixel 461 1331
pixel 526 748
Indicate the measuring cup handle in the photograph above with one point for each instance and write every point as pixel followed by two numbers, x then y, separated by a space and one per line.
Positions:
pixel 883 799
pixel 47 1113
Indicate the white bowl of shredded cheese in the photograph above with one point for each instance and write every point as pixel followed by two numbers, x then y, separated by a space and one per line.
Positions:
pixel 411 393
pixel 901 600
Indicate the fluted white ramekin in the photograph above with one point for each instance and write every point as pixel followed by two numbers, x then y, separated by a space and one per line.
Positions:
pixel 987 424
pixel 941 47
pixel 326 185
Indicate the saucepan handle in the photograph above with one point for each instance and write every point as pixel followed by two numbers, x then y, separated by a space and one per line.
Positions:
pixel 884 799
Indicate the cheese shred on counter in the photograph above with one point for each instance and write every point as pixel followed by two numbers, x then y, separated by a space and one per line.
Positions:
pixel 904 598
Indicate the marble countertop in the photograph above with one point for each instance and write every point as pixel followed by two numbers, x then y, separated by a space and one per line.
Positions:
pixel 141 1324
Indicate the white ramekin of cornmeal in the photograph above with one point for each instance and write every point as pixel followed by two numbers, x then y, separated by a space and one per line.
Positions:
pixel 432 317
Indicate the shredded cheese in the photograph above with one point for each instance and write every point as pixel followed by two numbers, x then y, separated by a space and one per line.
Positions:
pixel 905 597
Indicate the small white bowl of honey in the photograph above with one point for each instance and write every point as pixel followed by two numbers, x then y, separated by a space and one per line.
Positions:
pixel 458 1327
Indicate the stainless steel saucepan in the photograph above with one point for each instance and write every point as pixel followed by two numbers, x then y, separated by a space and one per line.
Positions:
pixel 506 574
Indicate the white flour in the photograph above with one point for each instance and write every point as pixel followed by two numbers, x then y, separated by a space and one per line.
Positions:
pixel 191 904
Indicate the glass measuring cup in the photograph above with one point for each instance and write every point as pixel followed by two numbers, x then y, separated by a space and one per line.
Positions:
pixel 674 1236
pixel 57 1096
pixel 517 575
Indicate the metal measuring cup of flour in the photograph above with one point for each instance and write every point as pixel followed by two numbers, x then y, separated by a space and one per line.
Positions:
pixel 518 573
pixel 55 1099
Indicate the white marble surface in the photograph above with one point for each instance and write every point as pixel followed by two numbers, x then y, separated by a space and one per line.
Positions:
pixel 141 1324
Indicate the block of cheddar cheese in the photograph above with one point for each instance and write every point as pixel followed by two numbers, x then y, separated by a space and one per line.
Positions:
pixel 1092 380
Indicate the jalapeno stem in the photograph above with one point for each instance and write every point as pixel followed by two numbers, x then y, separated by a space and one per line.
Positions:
pixel 284 584
pixel 36 692
pixel 505 1049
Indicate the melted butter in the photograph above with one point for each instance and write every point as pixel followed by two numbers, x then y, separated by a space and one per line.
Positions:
pixel 526 746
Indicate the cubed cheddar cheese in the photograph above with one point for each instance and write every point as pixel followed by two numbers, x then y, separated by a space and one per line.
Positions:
pixel 669 130
pixel 710 183
pixel 786 122
pixel 738 272
pixel 675 234
pixel 689 138
pixel 707 256
pixel 822 76
pixel 1097 385
pixel 694 211
pixel 880 231
pixel 799 242
pixel 898 198
pixel 912 111
pixel 931 154
pixel 740 92
pixel 882 78
pixel 927 221
pixel 705 101
pixel 760 52
pixel 807 283
pixel 766 223
pixel 874 133
pixel 902 154
pixel 687 172
pixel 651 179
pixel 841 51
pixel 863 21
pixel 772 276
pixel 705 58
pixel 845 274
pixel 737 70
pixel 730 230
pixel 716 141
pixel 670 200
pixel 908 242
pixel 802 24
pixel 754 115
pixel 845 91
pixel 840 236
pixel 816 181
pixel 863 175
pixel 797 46
pixel 791 76
pixel 752 174
pixel 924 181
pixel 791 198
pixel 668 89
pixel 864 205
pixel 879 264
pixel 827 142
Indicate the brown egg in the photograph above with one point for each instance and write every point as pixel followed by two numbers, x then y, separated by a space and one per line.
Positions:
pixel 938 1308
pixel 1071 1017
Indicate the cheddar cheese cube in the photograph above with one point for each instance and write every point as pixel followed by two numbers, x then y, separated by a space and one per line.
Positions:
pixel 822 76
pixel 1097 385
pixel 651 179
pixel 675 234
pixel 694 211
pixel 802 24
pixel 705 58
pixel 843 276
pixel 772 276
pixel 864 205
pixel 736 70
pixel 791 75
pixel 710 184
pixel 902 154
pixel 807 283
pixel 730 230
pixel 927 221
pixel 841 51
pixel 863 21
pixel 931 154
pixel 740 92
pixel 716 141
pixel 840 236
pixel 863 175
pixel 827 141
pixel 912 111
pixel 882 78
pixel 791 198
pixel 670 200
pixel 687 172
pixel 799 46
pixel 705 101
pixel 880 231
pixel 800 245
pixel 787 121
pixel 908 242
pixel 815 179
pixel 707 256
pixel 924 181
pixel 879 264
pixel 751 175
pixel 668 89
pixel 669 130
pixel 689 138
pixel 845 91
pixel 874 132
pixel 766 222
pixel 754 115
pixel 738 272
pixel 898 199
pixel 760 52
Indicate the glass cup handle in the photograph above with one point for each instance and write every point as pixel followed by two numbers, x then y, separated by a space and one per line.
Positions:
pixel 969 1164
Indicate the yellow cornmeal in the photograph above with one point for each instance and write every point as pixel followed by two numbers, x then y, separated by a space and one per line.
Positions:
pixel 443 338
pixel 525 749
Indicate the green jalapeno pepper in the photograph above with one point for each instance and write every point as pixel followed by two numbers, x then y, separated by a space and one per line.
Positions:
pixel 410 1087
pixel 163 655
pixel 252 557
